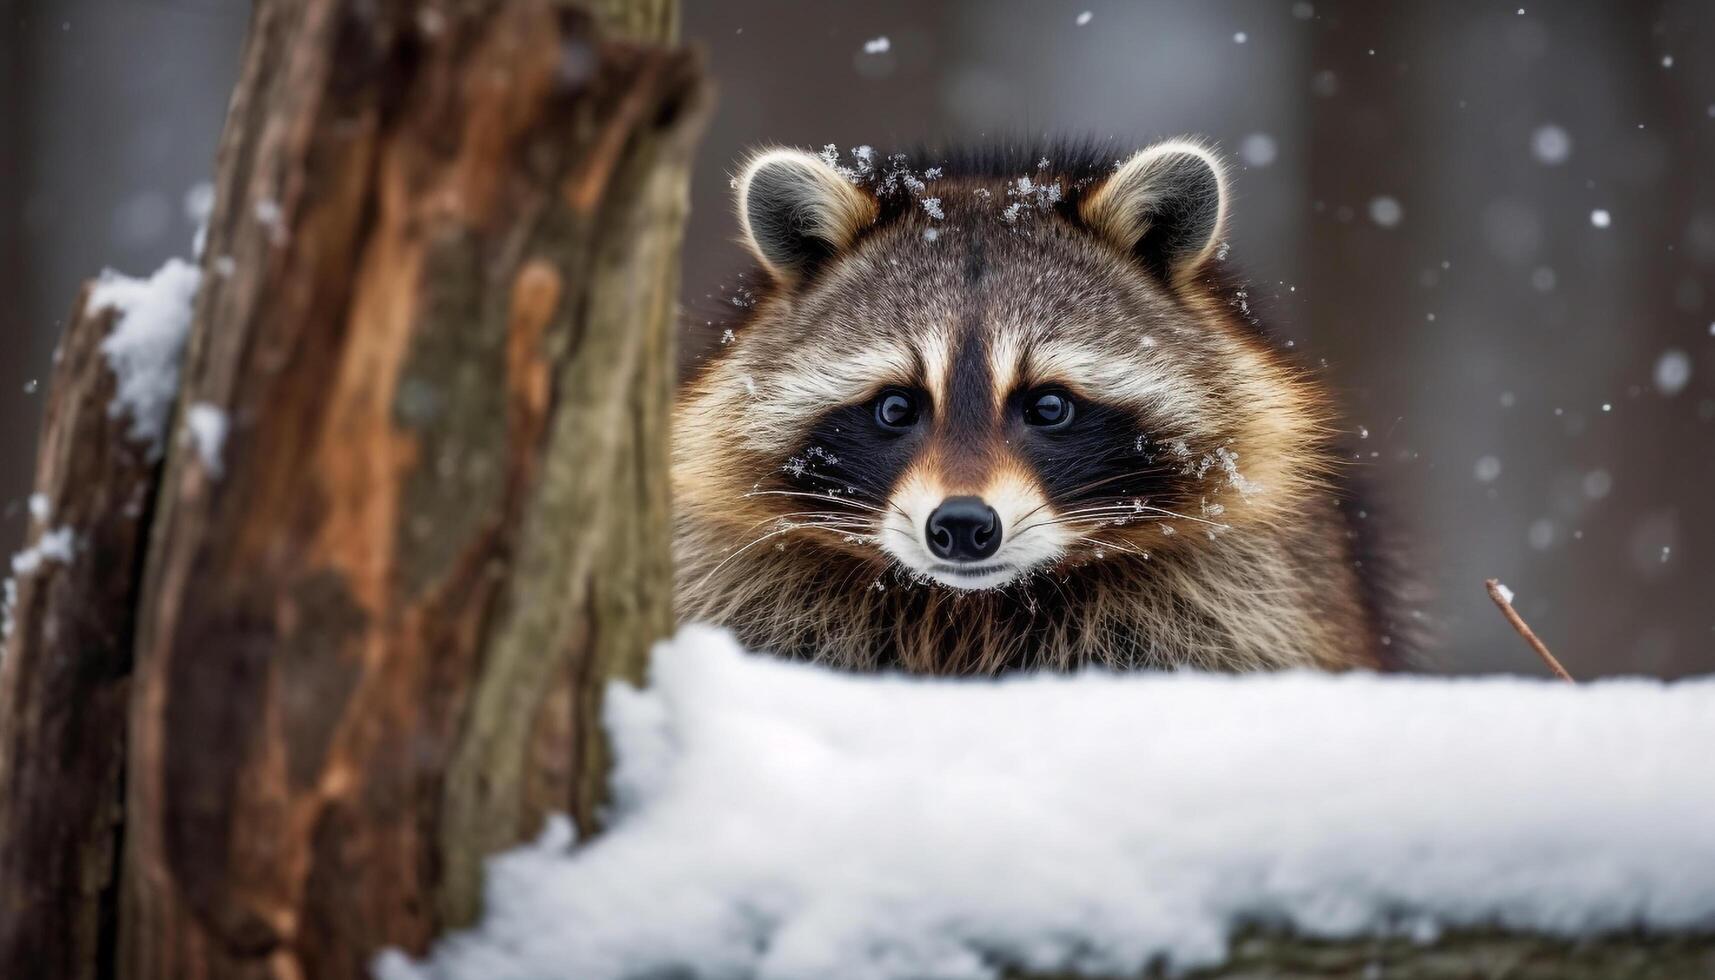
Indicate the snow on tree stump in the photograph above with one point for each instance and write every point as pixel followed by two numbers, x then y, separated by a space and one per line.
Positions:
pixel 413 511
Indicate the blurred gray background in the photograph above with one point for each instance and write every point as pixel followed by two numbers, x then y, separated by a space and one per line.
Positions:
pixel 1491 228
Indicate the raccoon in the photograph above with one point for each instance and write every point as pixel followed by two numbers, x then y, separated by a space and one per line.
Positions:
pixel 1004 412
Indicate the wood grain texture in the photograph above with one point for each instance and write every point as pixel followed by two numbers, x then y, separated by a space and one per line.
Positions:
pixel 65 673
pixel 440 225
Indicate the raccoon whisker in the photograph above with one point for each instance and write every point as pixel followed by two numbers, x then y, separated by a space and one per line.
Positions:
pixel 829 514
pixel 1027 514
pixel 728 559
pixel 771 534
pixel 837 483
pixel 1129 507
pixel 1119 515
pixel 824 496
pixel 1114 504
pixel 1075 519
pixel 866 497
pixel 1098 523
pixel 864 501
pixel 826 525
pixel 1086 488
pixel 1093 524
pixel 843 527
pixel 870 499
pixel 1187 517
pixel 1089 514
pixel 1117 543
pixel 887 505
pixel 1100 543
pixel 848 501
pixel 1138 508
pixel 1068 520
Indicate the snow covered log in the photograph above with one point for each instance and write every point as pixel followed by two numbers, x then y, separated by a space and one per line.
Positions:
pixel 776 820
pixel 413 511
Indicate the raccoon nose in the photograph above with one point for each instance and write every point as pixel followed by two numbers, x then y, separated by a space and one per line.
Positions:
pixel 964 529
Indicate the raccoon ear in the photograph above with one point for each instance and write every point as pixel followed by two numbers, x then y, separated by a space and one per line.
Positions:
pixel 1167 205
pixel 796 211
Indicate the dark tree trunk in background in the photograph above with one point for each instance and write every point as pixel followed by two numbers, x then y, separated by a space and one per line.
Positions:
pixel 370 646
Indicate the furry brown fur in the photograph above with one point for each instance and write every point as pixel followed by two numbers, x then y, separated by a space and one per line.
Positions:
pixel 1058 346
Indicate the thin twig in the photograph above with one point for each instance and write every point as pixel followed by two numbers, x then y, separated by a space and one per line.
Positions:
pixel 1496 593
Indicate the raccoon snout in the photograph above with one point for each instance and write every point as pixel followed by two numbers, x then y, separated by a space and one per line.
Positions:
pixel 964 529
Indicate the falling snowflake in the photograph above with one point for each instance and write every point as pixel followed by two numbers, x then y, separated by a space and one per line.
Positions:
pixel 1672 371
pixel 1550 144
pixel 1258 150
pixel 1386 211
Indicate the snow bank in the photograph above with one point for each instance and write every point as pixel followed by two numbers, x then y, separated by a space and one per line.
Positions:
pixel 779 821
pixel 147 343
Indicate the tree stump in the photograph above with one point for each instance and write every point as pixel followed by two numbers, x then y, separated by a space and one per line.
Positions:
pixel 65 676
pixel 371 637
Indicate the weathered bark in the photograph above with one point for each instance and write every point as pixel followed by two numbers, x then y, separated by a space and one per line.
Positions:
pixel 449 227
pixel 370 645
pixel 64 679
pixel 370 649
pixel 1486 955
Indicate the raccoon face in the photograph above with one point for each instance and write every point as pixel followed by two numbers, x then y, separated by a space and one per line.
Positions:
pixel 979 379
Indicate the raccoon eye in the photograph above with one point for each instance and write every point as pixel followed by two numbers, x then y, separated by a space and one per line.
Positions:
pixel 896 409
pixel 1048 410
